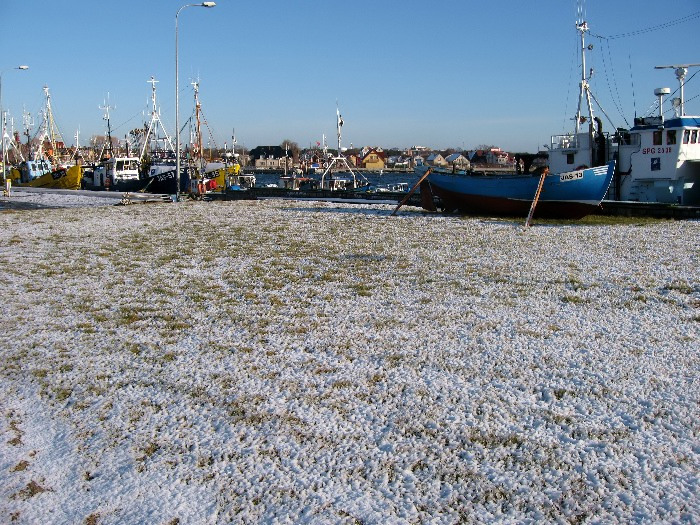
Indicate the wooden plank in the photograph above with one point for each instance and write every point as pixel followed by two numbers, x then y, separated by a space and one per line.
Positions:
pixel 537 197
pixel 408 196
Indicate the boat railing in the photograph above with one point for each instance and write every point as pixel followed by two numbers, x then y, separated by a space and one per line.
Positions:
pixel 571 142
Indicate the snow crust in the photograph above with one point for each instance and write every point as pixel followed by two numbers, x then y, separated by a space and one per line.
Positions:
pixel 299 362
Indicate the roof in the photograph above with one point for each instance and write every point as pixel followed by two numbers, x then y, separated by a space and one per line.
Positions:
pixel 377 151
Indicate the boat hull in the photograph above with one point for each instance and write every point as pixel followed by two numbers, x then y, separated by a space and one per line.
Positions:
pixel 162 180
pixel 570 195
pixel 61 178
pixel 129 185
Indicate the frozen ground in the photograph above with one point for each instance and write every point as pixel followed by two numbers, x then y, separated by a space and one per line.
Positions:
pixel 287 362
pixel 39 198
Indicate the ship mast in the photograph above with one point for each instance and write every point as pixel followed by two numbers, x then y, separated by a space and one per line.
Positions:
pixel 28 123
pixel 107 107
pixel 49 130
pixel 585 90
pixel 155 121
pixel 197 146
pixel 339 125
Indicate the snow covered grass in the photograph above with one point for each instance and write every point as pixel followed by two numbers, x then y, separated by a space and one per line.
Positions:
pixel 300 362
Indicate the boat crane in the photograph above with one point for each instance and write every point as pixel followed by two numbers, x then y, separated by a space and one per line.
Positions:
pixel 339 158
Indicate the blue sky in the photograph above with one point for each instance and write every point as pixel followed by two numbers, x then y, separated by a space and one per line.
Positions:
pixel 440 74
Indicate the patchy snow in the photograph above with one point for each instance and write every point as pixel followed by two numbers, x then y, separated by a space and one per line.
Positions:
pixel 300 362
pixel 36 198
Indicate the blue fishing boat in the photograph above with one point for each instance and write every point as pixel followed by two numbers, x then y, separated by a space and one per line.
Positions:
pixel 570 195
pixel 571 191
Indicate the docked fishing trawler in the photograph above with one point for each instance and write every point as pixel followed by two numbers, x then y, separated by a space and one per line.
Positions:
pixel 42 169
pixel 658 159
pixel 114 172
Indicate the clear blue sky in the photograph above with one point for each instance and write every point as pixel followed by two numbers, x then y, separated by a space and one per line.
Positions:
pixel 440 74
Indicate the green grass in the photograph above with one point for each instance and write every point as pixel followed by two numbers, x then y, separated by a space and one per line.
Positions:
pixel 573 299
pixel 679 287
pixel 604 220
pixel 361 289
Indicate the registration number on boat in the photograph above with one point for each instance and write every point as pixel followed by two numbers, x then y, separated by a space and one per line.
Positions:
pixel 655 151
pixel 572 175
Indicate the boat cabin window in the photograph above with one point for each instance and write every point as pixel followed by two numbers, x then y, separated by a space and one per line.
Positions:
pixel 569 158
pixel 686 136
pixel 694 136
pixel 629 139
pixel 624 137
pixel 671 136
pixel 657 137
pixel 126 165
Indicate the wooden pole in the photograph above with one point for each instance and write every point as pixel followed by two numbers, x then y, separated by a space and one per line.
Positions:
pixel 408 196
pixel 537 197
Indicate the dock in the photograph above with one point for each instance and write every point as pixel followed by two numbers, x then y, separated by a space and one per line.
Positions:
pixel 657 210
pixel 349 197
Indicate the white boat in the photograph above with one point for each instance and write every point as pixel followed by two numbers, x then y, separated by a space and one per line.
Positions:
pixel 658 159
pixel 118 174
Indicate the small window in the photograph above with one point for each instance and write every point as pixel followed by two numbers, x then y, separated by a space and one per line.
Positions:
pixel 686 136
pixel 694 136
pixel 569 158
pixel 657 138
pixel 671 136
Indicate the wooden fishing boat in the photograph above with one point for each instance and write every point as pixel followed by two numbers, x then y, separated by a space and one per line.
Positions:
pixel 571 195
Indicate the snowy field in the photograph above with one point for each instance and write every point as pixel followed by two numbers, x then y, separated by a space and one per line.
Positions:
pixel 302 362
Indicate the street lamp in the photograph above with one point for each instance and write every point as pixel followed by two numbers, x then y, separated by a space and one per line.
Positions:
pixel 177 99
pixel 2 122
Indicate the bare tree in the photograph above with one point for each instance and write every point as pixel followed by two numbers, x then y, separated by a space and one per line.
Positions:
pixel 292 147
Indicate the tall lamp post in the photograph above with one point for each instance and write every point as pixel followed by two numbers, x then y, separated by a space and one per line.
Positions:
pixel 2 122
pixel 177 99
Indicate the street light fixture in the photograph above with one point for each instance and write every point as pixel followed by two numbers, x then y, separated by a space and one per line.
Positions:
pixel 2 122
pixel 177 99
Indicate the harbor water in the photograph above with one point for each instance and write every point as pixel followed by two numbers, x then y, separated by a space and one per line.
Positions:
pixel 374 178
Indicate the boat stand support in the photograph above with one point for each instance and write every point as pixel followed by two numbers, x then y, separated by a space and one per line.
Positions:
pixel 413 190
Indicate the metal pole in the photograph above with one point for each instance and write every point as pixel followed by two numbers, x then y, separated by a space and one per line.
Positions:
pixel 177 115
pixel 177 99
